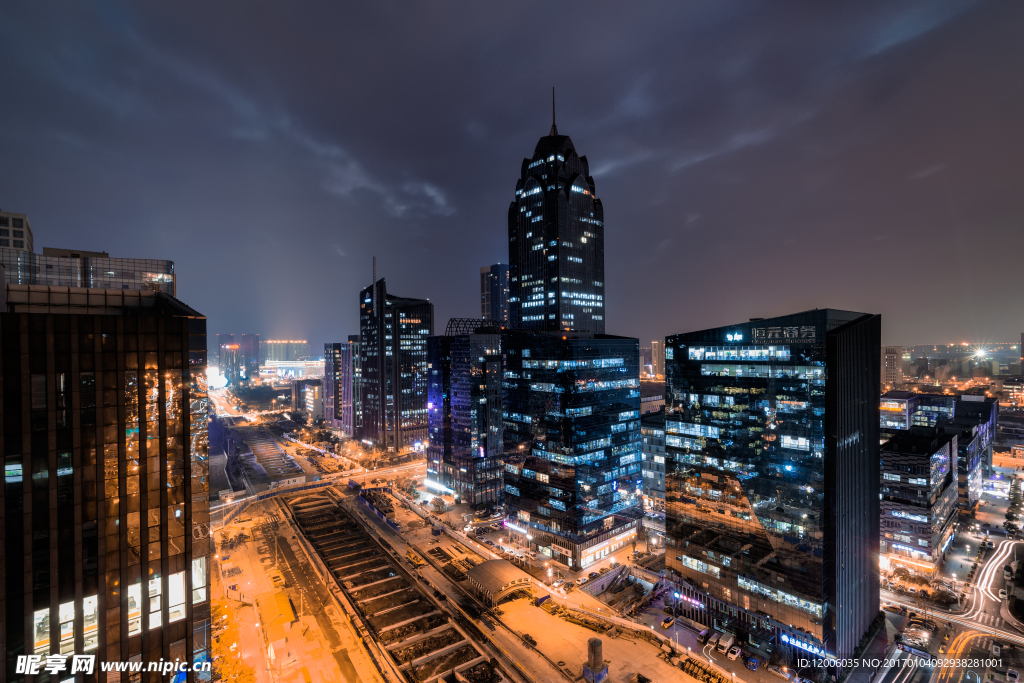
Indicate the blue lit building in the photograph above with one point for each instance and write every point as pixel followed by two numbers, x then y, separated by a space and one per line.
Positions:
pixel 556 242
pixel 464 411
pixel 919 500
pixel 571 408
pixel 772 510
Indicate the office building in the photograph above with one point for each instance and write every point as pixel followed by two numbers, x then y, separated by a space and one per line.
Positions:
pixel 249 357
pixel 571 404
pixel 494 293
pixel 901 410
pixel 919 500
pixel 464 411
pixel 892 367
pixel 313 401
pixel 357 375
pixel 652 396
pixel 556 242
pixel 105 508
pixel 222 341
pixel 339 382
pixel 288 350
pixel 645 360
pixel 658 357
pixel 393 368
pixel 652 432
pixel 75 267
pixel 299 392
pixel 772 509
pixel 231 363
pixel 15 232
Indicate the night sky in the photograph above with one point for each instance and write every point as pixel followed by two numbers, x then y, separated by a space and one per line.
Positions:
pixel 754 159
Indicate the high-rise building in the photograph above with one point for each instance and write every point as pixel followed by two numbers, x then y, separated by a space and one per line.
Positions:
pixel 572 452
pixel 464 408
pixel 283 350
pixel 556 242
pixel 339 360
pixel 658 357
pixel 772 495
pixel 393 367
pixel 231 363
pixel 15 232
pixel 494 293
pixel 106 503
pixel 919 499
pixel 357 376
pixel 652 431
pixel 222 341
pixel 313 401
pixel 892 367
pixel 249 356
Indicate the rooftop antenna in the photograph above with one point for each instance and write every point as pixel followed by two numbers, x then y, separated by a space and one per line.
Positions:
pixel 554 128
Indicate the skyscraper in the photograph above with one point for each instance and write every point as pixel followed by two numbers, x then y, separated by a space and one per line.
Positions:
pixel 393 365
pixel 338 385
pixel 283 349
pixel 464 406
pixel 556 242
pixel 105 508
pixel 357 376
pixel 772 448
pixel 892 367
pixel 572 449
pixel 249 356
pixel 223 340
pixel 658 357
pixel 494 293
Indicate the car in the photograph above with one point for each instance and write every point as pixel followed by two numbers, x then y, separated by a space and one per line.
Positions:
pixel 925 623
pixel 990 544
pixel 912 590
pixel 580 581
pixel 557 583
pixel 780 672
pixel 667 622
pixel 1002 593
pixel 1012 676
pixel 593 575
pixel 734 652
pixel 753 661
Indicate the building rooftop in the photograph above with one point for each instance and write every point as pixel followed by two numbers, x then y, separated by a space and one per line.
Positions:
pixel 919 440
pixel 87 301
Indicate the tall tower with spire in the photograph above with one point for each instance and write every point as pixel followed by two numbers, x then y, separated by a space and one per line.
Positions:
pixel 556 241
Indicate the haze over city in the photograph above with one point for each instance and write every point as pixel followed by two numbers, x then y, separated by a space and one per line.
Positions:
pixel 741 152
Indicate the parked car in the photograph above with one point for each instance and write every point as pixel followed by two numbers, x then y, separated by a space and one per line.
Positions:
pixel 780 672
pixel 580 581
pixel 1002 593
pixel 734 652
pixel 912 590
pixel 558 583
pixel 990 544
pixel 667 622
pixel 1012 676
pixel 753 661
pixel 593 575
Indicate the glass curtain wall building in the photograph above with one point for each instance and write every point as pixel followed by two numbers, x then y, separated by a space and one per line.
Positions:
pixel 338 384
pixel 464 399
pixel 494 293
pixel 105 499
pixel 772 491
pixel 249 358
pixel 94 270
pixel 919 500
pixel 571 407
pixel 283 350
pixel 556 242
pixel 393 367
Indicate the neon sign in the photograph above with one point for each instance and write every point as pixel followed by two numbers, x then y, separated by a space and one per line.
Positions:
pixel 813 649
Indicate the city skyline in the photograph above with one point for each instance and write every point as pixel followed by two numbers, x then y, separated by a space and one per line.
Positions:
pixel 899 154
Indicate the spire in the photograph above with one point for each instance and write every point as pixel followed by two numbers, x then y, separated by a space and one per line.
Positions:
pixel 554 128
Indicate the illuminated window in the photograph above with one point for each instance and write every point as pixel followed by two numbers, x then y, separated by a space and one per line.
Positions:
pixel 175 597
pixel 90 619
pixel 135 608
pixel 198 580
pixel 66 613
pixel 41 631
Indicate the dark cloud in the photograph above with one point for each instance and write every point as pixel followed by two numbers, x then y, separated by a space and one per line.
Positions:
pixel 753 158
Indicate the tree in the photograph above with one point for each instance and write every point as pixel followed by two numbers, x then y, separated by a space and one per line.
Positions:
pixel 438 503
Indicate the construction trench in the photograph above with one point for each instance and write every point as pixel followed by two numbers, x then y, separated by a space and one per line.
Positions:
pixel 421 639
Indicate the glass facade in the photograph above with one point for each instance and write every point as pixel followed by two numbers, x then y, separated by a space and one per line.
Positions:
pixel 94 272
pixel 393 368
pixel 106 512
pixel 572 443
pixel 283 350
pixel 556 242
pixel 339 381
pixel 919 499
pixel 494 293
pixel 767 422
pixel 464 399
